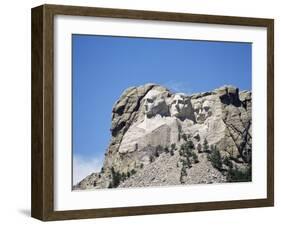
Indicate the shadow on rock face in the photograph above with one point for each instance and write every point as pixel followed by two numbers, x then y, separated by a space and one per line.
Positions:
pixel 231 96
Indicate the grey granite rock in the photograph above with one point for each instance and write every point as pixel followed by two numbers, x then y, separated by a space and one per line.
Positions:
pixel 150 124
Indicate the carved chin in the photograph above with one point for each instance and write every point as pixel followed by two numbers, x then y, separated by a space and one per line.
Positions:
pixel 149 114
pixel 175 114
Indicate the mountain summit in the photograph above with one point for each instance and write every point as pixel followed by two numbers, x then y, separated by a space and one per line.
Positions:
pixel 164 138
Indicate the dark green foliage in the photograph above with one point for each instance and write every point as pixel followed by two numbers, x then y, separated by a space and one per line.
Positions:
pixel 116 178
pixel 119 177
pixel 188 163
pixel 215 158
pixel 226 161
pixel 236 175
pixel 151 159
pixel 186 152
pixel 205 145
pixel 181 152
pixel 185 164
pixel 156 153
pixel 187 145
pixel 159 148
pixel 181 179
pixel 195 157
pixel 182 147
pixel 183 170
pixel 190 144
pixel 184 137
pixel 123 176
pixel 172 152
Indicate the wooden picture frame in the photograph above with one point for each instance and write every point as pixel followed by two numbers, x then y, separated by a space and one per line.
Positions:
pixel 42 203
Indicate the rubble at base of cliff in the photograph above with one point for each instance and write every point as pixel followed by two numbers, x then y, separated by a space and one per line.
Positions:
pixel 160 138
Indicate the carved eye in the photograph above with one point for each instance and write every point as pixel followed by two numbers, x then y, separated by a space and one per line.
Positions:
pixel 180 101
pixel 149 100
pixel 206 108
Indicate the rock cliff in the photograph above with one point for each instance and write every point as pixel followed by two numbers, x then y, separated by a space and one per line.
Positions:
pixel 164 138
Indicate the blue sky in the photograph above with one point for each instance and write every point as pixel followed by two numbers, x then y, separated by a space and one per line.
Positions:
pixel 103 66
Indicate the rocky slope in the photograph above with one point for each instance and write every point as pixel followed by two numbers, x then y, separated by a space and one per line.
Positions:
pixel 164 138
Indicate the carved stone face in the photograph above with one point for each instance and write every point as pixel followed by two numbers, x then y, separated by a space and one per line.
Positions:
pixel 154 103
pixel 178 106
pixel 202 110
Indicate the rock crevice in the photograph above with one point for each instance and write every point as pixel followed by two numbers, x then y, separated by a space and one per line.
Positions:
pixel 164 138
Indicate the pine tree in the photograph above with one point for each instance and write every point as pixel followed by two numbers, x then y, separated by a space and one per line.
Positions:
pixel 205 146
pixel 184 137
pixel 215 158
pixel 195 157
